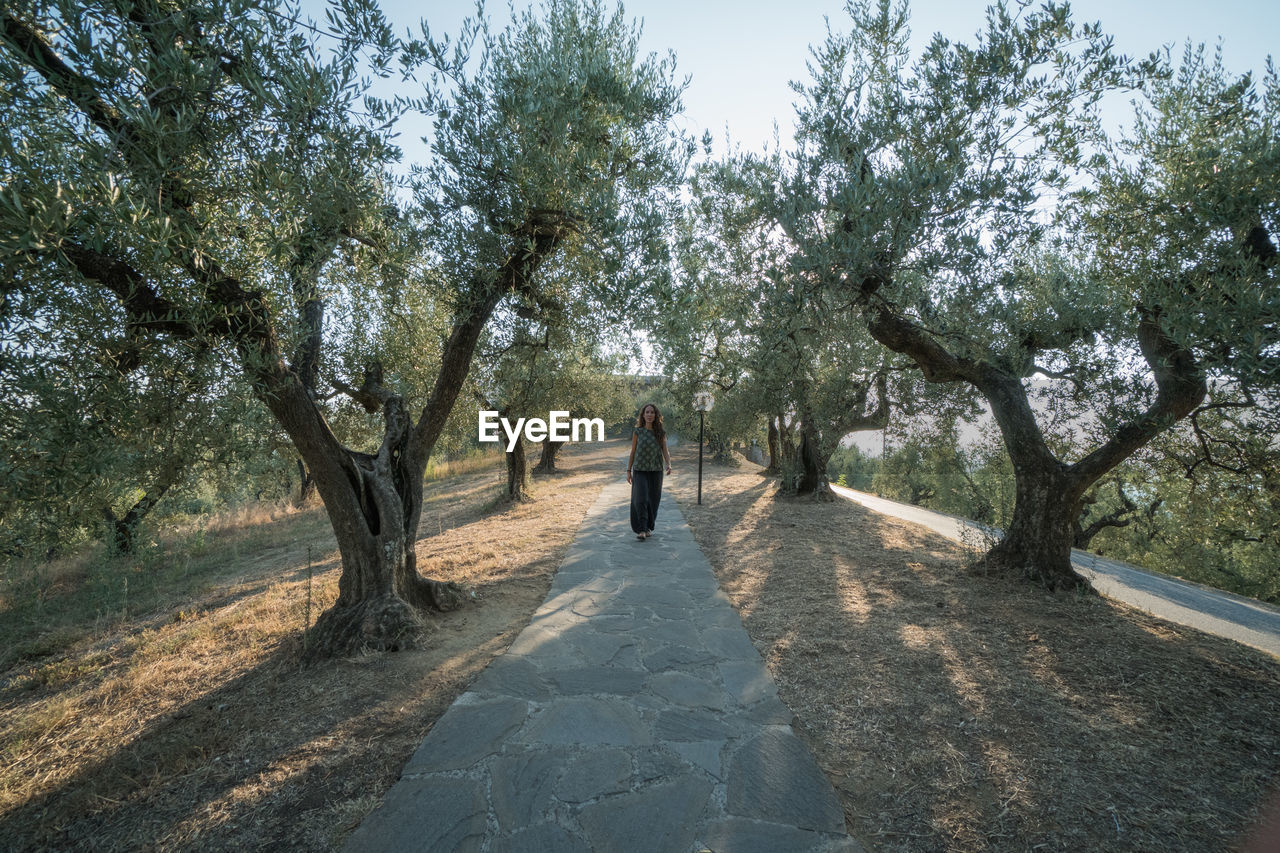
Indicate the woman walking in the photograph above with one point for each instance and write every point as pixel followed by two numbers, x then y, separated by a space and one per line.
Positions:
pixel 644 469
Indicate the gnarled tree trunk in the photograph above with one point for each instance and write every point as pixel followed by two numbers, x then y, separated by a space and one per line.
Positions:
pixel 375 502
pixel 547 461
pixel 517 473
pixel 812 474
pixel 775 451
pixel 1037 543
pixel 817 444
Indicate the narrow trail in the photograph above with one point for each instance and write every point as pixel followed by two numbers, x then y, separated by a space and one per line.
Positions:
pixel 632 713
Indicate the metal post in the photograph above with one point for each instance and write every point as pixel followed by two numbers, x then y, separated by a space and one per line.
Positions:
pixel 701 418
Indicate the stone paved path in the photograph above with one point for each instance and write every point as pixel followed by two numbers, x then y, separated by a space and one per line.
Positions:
pixel 632 714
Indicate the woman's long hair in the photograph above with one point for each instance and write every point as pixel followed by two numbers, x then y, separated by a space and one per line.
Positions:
pixel 659 431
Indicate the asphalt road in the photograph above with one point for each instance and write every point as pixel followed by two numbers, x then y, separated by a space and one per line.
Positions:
pixel 1212 611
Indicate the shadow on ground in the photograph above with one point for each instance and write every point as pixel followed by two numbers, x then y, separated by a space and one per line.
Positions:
pixel 233 746
pixel 955 712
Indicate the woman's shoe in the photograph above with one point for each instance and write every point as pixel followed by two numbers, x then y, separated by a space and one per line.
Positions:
pixel 642 536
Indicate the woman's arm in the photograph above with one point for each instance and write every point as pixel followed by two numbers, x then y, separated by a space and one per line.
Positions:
pixel 665 454
pixel 631 460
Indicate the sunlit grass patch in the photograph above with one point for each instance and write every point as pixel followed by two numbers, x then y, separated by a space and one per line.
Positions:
pixel 954 712
pixel 49 606
pixel 190 723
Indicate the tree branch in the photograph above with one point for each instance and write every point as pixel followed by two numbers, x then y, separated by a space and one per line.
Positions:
pixel 81 90
pixel 1064 375
pixel 1181 387
pixel 901 335
pixel 146 309
pixel 1122 517
pixel 533 242
pixel 371 394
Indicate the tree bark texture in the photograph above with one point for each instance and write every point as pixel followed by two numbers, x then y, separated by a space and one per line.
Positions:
pixel 547 461
pixel 306 485
pixel 1037 543
pixel 812 474
pixel 786 442
pixel 775 451
pixel 518 473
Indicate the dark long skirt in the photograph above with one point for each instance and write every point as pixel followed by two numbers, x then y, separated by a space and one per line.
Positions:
pixel 646 493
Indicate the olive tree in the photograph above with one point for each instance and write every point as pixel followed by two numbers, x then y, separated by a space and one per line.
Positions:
pixel 89 451
pixel 982 225
pixel 203 163
pixel 529 369
pixel 756 323
pixel 697 326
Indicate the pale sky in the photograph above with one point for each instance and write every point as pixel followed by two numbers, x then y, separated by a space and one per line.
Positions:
pixel 743 53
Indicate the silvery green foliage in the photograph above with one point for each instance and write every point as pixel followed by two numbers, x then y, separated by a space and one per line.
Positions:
pixel 1184 212
pixel 973 209
pixel 557 125
pixel 558 121
pixel 938 178
pixel 152 153
pixel 81 445
pixel 219 170
pixel 705 324
pixel 923 183
pixel 528 368
pixel 179 173
pixel 212 135
pixel 976 194
pixel 756 322
pixel 1217 476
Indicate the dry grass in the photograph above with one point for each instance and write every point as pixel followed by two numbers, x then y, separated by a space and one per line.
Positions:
pixel 192 727
pixel 476 460
pixel 958 713
pixel 951 712
pixel 52 607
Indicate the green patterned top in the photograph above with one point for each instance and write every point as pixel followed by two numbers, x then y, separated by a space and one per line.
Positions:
pixel 648 454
